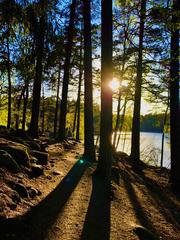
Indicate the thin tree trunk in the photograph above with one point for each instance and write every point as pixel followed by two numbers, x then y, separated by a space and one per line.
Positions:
pixel 124 140
pixel 75 115
pixel 163 132
pixel 174 100
pixel 43 111
pixel 122 122
pixel 63 110
pixel 57 102
pixel 89 149
pixel 26 96
pixel 9 85
pixel 117 120
pixel 135 141
pixel 105 150
pixel 18 108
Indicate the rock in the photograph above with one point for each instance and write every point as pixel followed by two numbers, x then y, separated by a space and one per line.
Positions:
pixel 4 130
pixel 8 162
pixel 49 177
pixel 15 197
pixel 144 233
pixel 19 188
pixel 18 151
pixel 34 145
pixel 56 173
pixel 36 170
pixel 6 201
pixel 33 192
pixel 33 160
pixel 41 157
pixel 20 134
pixel 121 156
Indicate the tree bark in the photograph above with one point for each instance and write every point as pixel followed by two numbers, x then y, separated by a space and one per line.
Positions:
pixel 63 107
pixel 105 150
pixel 135 141
pixel 33 129
pixel 18 107
pixel 57 102
pixel 174 100
pixel 89 149
pixel 79 90
pixel 26 95
pixel 9 84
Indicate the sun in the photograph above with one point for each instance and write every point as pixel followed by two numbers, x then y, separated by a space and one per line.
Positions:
pixel 114 84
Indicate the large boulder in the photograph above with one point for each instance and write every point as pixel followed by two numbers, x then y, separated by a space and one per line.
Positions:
pixel 8 162
pixel 19 152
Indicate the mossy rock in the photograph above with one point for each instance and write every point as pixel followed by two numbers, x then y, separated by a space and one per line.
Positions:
pixel 7 161
pixel 19 153
pixel 41 157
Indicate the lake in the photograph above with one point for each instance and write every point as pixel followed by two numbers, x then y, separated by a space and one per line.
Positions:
pixel 150 147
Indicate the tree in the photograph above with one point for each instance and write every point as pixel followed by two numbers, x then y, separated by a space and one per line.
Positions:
pixel 105 150
pixel 39 37
pixel 174 99
pixel 135 142
pixel 89 150
pixel 68 50
pixel 57 101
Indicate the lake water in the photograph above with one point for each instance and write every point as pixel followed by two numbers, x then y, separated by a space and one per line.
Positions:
pixel 150 147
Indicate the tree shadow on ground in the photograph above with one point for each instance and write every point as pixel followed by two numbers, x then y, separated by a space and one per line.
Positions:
pixel 97 221
pixel 35 224
pixel 169 209
pixel 138 209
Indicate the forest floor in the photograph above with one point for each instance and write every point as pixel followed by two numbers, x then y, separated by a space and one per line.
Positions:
pixel 74 204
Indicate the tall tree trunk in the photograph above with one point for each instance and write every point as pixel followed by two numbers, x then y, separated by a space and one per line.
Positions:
pixel 43 111
pixel 89 149
pixel 33 129
pixel 63 108
pixel 105 150
pixel 57 102
pixel 79 100
pixel 76 123
pixel 174 100
pixel 135 141
pixel 117 126
pixel 26 96
pixel 9 85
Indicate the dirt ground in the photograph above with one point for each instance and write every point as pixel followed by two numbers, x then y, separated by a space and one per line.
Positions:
pixel 78 207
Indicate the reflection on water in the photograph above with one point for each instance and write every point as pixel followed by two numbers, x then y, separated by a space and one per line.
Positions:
pixel 150 147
